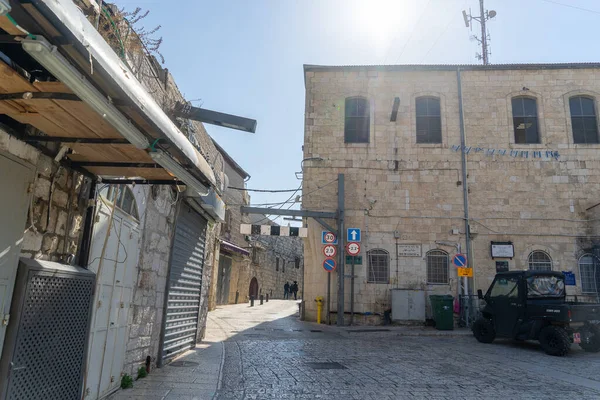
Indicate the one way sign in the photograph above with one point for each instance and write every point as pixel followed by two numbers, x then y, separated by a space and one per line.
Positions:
pixel 353 235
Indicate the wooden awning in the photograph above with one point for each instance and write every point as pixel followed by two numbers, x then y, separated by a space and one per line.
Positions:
pixel 73 119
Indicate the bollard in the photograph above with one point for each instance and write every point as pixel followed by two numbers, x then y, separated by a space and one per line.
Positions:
pixel 237 296
pixel 252 301
pixel 319 301
pixel 261 299
pixel 267 297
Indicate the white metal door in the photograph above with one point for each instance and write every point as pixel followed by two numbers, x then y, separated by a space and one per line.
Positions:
pixel 15 178
pixel 115 279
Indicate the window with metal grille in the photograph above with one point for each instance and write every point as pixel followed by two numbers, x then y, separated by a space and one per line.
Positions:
pixel 283 266
pixel 525 120
pixel 124 197
pixel 429 120
pixel 437 267
pixel 379 266
pixel 277 264
pixel 540 261
pixel 297 262
pixel 589 271
pixel 583 120
pixel 357 120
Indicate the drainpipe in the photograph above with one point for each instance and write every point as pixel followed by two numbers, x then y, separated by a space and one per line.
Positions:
pixel 463 161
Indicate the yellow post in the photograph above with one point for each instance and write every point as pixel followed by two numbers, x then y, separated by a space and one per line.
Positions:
pixel 319 301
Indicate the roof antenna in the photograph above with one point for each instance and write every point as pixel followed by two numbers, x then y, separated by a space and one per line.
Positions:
pixel 485 15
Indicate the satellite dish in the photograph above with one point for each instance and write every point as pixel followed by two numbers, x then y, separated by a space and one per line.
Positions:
pixel 491 14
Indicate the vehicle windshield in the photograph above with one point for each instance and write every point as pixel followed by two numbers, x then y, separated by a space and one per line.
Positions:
pixel 545 286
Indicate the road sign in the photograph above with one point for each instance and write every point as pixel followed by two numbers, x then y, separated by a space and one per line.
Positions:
pixel 329 264
pixel 356 260
pixel 465 272
pixel 460 260
pixel 329 250
pixel 353 235
pixel 328 238
pixel 353 248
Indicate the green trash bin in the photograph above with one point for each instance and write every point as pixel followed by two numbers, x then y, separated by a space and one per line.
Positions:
pixel 443 312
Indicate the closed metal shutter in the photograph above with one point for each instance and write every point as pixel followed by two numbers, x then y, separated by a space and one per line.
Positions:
pixel 185 283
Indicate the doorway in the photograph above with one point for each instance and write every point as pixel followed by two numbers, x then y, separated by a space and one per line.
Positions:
pixel 113 257
pixel 14 202
pixel 224 279
pixel 253 291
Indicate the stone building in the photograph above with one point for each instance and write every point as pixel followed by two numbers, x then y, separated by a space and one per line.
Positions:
pixel 531 166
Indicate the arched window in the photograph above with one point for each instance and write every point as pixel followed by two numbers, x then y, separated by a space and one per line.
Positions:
pixel 124 197
pixel 437 266
pixel 357 120
pixel 379 266
pixel 589 271
pixel 539 261
pixel 429 120
pixel 583 120
pixel 525 120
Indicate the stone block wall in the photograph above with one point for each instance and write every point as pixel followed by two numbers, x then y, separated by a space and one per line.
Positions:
pixel 400 191
pixel 57 210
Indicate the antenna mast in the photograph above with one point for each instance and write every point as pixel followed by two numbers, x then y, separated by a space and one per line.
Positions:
pixel 483 17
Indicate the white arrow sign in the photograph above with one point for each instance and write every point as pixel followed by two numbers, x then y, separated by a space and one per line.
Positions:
pixel 353 234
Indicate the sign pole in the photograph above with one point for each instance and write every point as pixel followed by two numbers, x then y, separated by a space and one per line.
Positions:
pixel 341 239
pixel 352 294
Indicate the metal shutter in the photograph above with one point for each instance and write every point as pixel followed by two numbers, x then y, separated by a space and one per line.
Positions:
pixel 185 283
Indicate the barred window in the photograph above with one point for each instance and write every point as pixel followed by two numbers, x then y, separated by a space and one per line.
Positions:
pixel 379 266
pixel 583 120
pixel 540 261
pixel 429 120
pixel 283 266
pixel 357 120
pixel 277 264
pixel 437 267
pixel 589 271
pixel 525 120
pixel 297 262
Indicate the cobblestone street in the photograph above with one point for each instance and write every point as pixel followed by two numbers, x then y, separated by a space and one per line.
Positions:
pixel 280 357
pixel 265 352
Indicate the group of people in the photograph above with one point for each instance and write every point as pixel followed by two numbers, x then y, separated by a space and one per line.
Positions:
pixel 288 289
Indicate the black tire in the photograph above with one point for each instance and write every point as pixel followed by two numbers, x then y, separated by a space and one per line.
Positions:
pixel 592 344
pixel 484 331
pixel 555 340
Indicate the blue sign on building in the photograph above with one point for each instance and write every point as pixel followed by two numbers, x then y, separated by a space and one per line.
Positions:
pixel 326 237
pixel 569 278
pixel 353 235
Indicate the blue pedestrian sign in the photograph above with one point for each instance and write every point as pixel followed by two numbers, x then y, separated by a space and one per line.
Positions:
pixel 460 260
pixel 329 264
pixel 353 235
pixel 328 238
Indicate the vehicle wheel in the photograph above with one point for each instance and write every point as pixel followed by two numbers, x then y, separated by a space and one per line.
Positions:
pixel 592 344
pixel 555 340
pixel 483 330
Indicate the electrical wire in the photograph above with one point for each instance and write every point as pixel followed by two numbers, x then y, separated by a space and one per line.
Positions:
pixel 438 38
pixel 266 190
pixel 412 32
pixel 571 6
pixel 282 203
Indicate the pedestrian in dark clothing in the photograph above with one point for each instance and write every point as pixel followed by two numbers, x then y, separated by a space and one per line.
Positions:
pixel 286 291
pixel 295 290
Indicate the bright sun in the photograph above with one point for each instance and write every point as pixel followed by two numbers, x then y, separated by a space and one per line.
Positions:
pixel 380 20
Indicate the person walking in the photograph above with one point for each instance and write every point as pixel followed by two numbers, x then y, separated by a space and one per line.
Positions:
pixel 286 291
pixel 295 290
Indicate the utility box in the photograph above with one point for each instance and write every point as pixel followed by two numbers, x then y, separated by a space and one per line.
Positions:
pixel 45 349
pixel 408 305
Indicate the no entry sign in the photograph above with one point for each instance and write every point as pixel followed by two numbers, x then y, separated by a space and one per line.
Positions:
pixel 329 264
pixel 329 250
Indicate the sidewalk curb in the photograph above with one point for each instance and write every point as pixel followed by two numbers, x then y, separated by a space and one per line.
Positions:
pixel 220 380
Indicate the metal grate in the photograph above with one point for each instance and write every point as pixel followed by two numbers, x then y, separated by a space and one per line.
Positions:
pixel 185 283
pixel 437 266
pixel 325 365
pixel 378 266
pixel 589 272
pixel 51 343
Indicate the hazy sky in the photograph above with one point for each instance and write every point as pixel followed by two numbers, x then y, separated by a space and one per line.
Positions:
pixel 246 57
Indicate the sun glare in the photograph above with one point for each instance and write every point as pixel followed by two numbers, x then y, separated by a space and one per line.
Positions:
pixel 380 20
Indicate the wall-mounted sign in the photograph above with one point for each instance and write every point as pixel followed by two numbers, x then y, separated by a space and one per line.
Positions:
pixel 501 266
pixel 409 250
pixel 569 278
pixel 502 250
pixel 537 154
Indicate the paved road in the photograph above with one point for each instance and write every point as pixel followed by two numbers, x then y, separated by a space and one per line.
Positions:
pixel 271 355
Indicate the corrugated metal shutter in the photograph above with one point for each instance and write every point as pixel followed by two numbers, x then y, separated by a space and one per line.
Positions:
pixel 185 283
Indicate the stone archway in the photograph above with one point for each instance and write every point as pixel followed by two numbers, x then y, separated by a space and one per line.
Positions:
pixel 253 290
